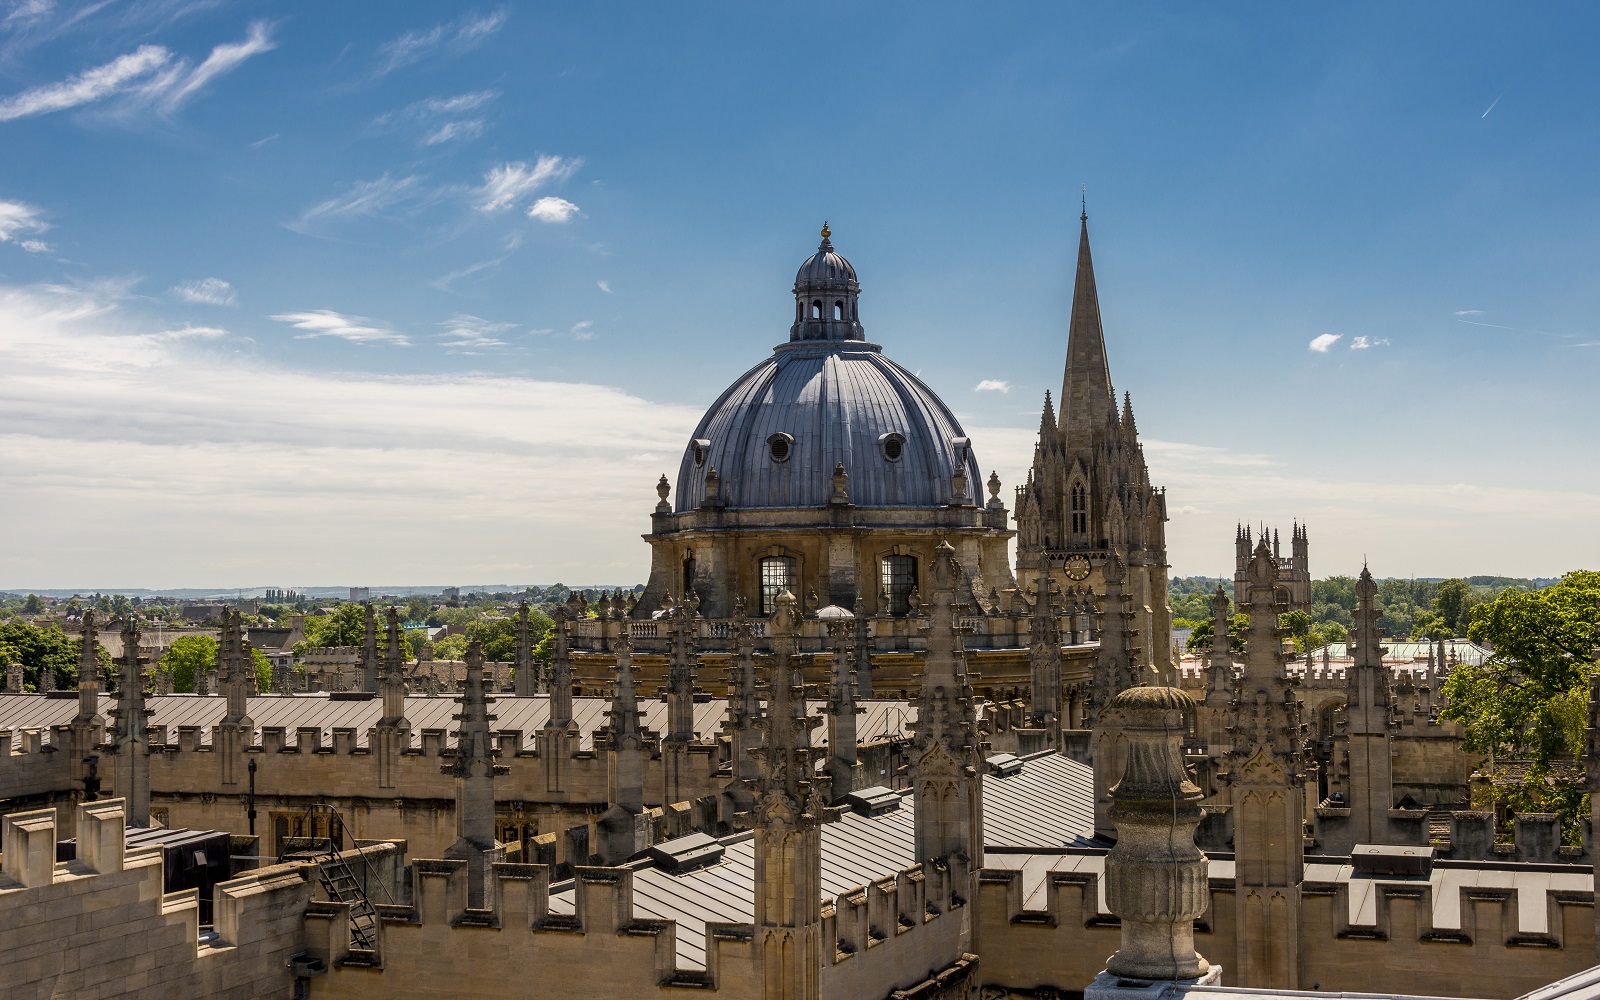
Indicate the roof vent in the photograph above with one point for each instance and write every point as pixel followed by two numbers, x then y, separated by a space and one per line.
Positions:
pixel 1004 765
pixel 352 695
pixel 1384 859
pixel 685 854
pixel 873 801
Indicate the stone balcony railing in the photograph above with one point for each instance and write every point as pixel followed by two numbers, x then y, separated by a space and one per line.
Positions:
pixel 904 633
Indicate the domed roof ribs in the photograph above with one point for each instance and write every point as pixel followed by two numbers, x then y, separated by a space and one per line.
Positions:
pixel 1087 402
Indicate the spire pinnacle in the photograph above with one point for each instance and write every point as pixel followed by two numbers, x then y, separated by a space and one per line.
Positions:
pixel 1088 404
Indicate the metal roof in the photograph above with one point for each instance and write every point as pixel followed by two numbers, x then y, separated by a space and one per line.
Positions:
pixel 19 713
pixel 837 399
pixel 1041 801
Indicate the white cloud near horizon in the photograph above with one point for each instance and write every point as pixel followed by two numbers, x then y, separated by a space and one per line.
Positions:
pixel 1363 343
pixel 1322 341
pixel 149 78
pixel 206 291
pixel 992 385
pixel 465 333
pixel 356 329
pixel 138 453
pixel 504 185
pixel 552 209
pixel 133 455
pixel 459 35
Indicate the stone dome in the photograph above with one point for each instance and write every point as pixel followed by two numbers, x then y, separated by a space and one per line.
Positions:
pixel 824 402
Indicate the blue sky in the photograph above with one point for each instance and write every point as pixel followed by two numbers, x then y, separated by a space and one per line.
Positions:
pixel 302 294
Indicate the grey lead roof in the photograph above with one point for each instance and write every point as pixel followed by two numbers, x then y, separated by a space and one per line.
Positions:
pixel 19 713
pixel 858 850
pixel 837 399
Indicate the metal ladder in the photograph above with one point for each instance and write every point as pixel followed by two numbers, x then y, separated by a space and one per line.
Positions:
pixel 338 881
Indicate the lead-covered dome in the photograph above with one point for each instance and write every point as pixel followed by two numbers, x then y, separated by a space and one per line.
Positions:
pixel 825 402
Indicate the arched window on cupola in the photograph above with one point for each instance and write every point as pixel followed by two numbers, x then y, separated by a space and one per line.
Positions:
pixel 1080 509
pixel 838 309
pixel 816 309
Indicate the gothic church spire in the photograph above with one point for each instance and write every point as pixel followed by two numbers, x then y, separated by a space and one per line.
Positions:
pixel 1087 401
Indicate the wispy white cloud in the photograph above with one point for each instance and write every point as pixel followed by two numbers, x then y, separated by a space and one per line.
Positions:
pixel 18 221
pixel 1469 312
pixel 27 13
pixel 992 385
pixel 583 330
pixel 456 36
pixel 356 329
pixel 363 198
pixel 1490 107
pixel 188 441
pixel 1322 341
pixel 87 87
pixel 457 111
pixel 552 209
pixel 446 282
pixel 507 183
pixel 178 84
pixel 466 333
pixel 469 128
pixel 604 286
pixel 150 78
pixel 1362 343
pixel 206 291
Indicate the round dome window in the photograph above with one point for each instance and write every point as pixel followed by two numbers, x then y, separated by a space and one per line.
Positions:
pixel 893 445
pixel 699 452
pixel 780 446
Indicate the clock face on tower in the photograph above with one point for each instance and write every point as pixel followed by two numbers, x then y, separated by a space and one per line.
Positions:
pixel 1077 568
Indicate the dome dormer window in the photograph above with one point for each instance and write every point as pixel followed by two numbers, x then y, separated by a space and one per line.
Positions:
pixel 893 446
pixel 698 449
pixel 780 446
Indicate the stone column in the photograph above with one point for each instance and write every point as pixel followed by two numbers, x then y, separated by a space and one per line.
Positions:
pixel 130 741
pixel 474 771
pixel 1156 878
pixel 843 762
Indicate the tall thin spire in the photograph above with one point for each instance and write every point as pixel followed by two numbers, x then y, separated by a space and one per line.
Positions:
pixel 474 770
pixel 1087 401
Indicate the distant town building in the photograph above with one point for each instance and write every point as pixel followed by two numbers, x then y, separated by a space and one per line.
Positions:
pixel 360 593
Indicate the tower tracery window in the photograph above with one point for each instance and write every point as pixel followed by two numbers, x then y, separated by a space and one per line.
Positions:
pixel 899 578
pixel 777 575
pixel 1080 509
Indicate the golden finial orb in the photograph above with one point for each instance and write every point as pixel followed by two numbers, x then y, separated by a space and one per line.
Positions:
pixel 826 232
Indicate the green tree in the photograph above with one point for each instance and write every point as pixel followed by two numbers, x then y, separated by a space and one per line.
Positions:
pixel 1454 604
pixel 40 646
pixel 1521 702
pixel 1428 624
pixel 186 657
pixel 33 605
pixel 417 609
pixel 451 647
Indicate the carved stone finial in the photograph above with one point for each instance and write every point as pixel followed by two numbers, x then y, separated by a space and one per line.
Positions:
pixel 994 487
pixel 841 485
pixel 662 489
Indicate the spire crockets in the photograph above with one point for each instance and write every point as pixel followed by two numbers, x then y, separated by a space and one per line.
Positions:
pixel 743 724
pixel 787 821
pixel 236 667
pixel 130 742
pixel 392 679
pixel 88 673
pixel 528 680
pixel 843 763
pixel 369 649
pixel 474 770
pixel 1367 700
pixel 1087 401
pixel 944 755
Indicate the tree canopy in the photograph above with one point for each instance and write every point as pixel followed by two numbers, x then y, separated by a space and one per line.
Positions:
pixel 38 646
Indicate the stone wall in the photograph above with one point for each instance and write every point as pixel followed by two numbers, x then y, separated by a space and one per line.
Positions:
pixel 101 926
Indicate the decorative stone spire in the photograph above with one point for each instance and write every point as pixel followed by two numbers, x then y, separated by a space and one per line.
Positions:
pixel 1116 667
pixel 744 721
pixel 237 668
pixel 474 770
pixel 1156 881
pixel 843 761
pixel 369 649
pixel 88 674
pixel 1219 662
pixel 560 671
pixel 682 672
pixel 788 841
pixel 1044 658
pixel 528 679
pixel 392 682
pixel 130 741
pixel 841 486
pixel 1087 401
pixel 1367 705
pixel 663 488
pixel 944 753
pixel 1267 775
pixel 621 827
